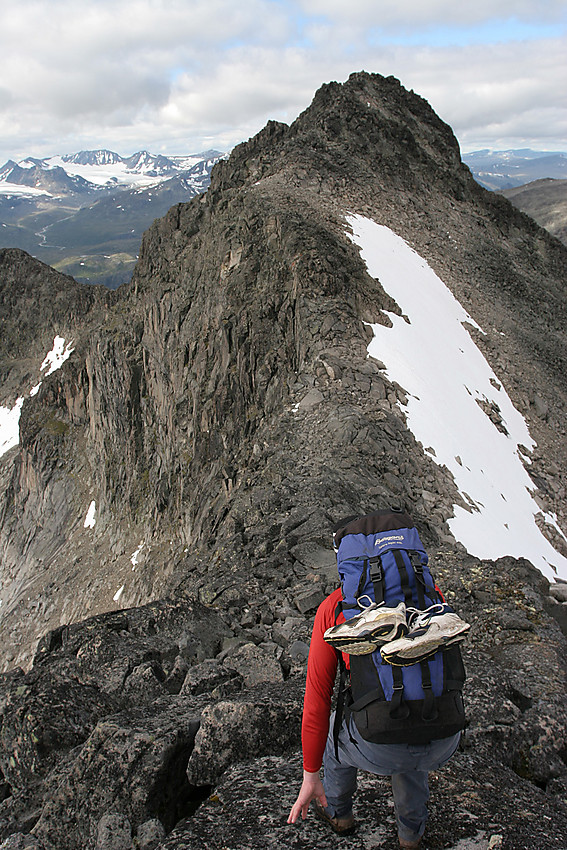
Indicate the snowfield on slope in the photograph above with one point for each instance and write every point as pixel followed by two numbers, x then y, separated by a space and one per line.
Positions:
pixel 430 353
pixel 10 417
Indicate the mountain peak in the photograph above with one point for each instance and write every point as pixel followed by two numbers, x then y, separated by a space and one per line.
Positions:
pixel 94 157
pixel 369 128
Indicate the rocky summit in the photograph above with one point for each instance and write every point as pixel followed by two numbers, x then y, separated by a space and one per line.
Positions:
pixel 166 516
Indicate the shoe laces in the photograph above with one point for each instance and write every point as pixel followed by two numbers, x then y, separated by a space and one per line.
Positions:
pixel 371 603
pixel 417 618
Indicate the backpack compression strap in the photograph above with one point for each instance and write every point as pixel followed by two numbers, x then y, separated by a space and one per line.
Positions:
pixel 429 712
pixel 399 709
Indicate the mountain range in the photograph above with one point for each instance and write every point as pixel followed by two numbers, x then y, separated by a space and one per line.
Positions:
pixel 89 172
pixel 545 200
pixel 498 170
pixel 85 213
pixel 344 320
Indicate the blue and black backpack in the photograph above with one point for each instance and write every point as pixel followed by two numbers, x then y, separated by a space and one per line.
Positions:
pixel 381 556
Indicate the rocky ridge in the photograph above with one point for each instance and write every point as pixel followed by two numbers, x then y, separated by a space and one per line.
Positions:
pixel 223 413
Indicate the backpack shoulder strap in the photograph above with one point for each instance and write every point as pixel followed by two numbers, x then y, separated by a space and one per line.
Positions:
pixel 341 697
pixel 344 696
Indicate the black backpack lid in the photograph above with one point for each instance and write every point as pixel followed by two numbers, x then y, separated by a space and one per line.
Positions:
pixel 383 520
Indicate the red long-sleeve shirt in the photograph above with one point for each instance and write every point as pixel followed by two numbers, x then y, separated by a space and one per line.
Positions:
pixel 321 673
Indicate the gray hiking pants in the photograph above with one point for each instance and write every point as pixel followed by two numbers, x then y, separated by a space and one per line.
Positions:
pixel 408 765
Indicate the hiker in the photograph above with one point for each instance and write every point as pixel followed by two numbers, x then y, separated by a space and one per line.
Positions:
pixel 337 743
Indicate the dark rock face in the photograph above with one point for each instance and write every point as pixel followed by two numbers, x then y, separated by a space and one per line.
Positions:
pixel 222 413
pixel 36 303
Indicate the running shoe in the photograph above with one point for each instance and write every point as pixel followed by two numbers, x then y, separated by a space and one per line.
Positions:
pixel 435 628
pixel 363 633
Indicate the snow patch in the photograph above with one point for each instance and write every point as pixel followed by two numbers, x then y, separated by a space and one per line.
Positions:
pixel 90 520
pixel 55 358
pixel 10 426
pixel 13 190
pixel 10 417
pixel 134 559
pixel 118 593
pixel 454 399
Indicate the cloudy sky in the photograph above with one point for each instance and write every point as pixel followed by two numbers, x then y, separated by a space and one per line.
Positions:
pixel 181 76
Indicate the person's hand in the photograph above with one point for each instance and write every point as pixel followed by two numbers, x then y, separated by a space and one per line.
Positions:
pixel 311 789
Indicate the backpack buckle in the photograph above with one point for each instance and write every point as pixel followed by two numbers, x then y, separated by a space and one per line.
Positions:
pixel 376 571
pixel 415 561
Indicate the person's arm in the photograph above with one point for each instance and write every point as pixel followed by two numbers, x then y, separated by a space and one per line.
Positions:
pixel 321 672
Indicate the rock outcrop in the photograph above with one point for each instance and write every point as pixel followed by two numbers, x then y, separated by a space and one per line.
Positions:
pixel 166 727
pixel 222 413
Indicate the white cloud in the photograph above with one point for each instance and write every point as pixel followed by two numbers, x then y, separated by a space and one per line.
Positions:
pixel 248 86
pixel 65 63
pixel 406 14
pixel 495 93
pixel 184 75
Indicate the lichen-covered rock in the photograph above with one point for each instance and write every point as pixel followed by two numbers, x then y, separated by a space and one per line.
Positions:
pixel 211 677
pixel 132 765
pixel 106 650
pixel 265 719
pixel 149 834
pixel 20 841
pixel 44 714
pixel 256 664
pixel 114 833
pixel 250 805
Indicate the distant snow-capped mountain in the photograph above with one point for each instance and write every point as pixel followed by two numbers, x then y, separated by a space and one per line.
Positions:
pixel 90 171
pixel 84 213
pixel 32 177
pixel 498 170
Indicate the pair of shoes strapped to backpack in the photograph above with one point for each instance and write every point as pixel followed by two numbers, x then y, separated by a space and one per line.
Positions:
pixel 405 635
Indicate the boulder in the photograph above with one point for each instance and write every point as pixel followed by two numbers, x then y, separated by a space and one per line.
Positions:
pixel 265 719
pixel 256 664
pixel 132 766
pixel 114 833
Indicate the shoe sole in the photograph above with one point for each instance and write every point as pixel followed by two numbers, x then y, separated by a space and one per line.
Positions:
pixel 356 648
pixel 414 653
pixel 377 636
pixel 367 632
